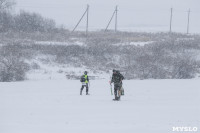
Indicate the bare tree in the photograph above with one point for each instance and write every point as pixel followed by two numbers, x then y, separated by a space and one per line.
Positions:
pixel 6 4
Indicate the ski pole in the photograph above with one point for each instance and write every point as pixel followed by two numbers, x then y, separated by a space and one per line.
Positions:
pixel 111 89
pixel 110 83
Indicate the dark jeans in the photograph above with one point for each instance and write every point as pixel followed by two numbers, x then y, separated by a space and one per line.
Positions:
pixel 83 88
pixel 117 87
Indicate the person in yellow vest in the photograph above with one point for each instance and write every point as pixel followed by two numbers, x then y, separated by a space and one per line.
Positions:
pixel 84 80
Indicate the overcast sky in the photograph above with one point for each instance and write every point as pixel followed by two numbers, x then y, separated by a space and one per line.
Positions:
pixel 133 15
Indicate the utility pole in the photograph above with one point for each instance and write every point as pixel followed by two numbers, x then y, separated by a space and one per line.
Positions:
pixel 114 14
pixel 188 24
pixel 86 11
pixel 170 30
pixel 116 18
pixel 87 20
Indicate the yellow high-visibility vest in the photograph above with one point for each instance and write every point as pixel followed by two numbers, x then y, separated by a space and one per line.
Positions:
pixel 86 81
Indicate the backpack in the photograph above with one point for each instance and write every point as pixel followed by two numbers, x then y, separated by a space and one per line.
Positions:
pixel 82 78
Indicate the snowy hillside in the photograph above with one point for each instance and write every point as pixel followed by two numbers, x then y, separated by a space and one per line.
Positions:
pixel 137 55
pixel 57 71
pixel 49 106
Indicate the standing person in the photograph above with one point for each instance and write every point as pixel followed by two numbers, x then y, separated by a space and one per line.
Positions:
pixel 85 81
pixel 117 78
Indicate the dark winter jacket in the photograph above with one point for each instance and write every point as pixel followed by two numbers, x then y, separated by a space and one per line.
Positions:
pixel 117 78
pixel 84 78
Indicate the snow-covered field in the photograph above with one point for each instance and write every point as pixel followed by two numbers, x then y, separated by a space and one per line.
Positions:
pixel 55 106
pixel 59 43
pixel 134 43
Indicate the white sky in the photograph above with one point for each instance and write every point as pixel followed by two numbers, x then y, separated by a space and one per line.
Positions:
pixel 133 15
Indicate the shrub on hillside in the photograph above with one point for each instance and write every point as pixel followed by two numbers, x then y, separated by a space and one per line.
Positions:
pixel 12 65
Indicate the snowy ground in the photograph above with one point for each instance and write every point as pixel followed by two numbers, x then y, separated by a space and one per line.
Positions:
pixel 134 43
pixel 55 106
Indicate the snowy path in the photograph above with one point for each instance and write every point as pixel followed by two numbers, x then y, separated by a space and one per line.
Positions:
pixel 55 106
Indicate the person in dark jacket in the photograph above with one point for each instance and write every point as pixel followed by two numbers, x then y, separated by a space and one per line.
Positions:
pixel 85 81
pixel 117 78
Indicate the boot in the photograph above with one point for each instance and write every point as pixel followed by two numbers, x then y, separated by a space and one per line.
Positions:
pixel 115 97
pixel 118 98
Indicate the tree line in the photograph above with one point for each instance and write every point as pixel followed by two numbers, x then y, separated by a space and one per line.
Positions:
pixel 24 21
pixel 168 58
